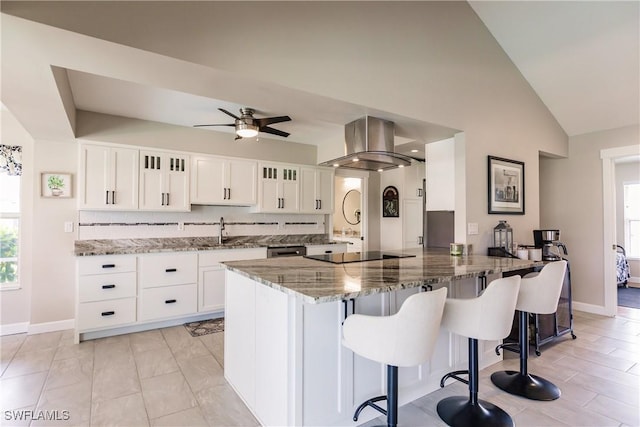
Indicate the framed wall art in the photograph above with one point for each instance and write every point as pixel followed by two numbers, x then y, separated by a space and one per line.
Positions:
pixel 506 186
pixel 390 202
pixel 56 185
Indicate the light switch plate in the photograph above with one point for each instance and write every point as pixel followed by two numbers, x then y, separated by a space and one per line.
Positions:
pixel 68 227
pixel 472 228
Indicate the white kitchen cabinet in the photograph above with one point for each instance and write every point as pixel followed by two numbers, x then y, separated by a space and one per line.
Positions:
pixel 167 285
pixel 278 188
pixel 223 181
pixel 105 292
pixel 164 181
pixel 108 178
pixel 316 190
pixel 336 248
pixel 211 274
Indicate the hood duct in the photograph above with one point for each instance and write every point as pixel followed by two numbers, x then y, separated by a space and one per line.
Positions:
pixel 369 145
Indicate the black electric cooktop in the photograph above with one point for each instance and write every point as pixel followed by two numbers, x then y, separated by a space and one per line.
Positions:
pixel 358 256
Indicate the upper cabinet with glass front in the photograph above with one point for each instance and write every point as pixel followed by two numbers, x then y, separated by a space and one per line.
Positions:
pixel 108 178
pixel 164 181
pixel 278 188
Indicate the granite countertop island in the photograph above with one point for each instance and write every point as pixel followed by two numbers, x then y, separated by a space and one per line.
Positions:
pixel 317 281
pixel 283 326
pixel 179 244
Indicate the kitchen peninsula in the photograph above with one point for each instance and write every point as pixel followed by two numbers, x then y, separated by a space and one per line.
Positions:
pixel 283 317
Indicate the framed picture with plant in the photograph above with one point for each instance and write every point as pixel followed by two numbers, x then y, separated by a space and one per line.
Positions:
pixel 56 184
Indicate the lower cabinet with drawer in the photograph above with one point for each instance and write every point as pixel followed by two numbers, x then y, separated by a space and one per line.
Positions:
pixel 127 293
pixel 106 292
pixel 168 301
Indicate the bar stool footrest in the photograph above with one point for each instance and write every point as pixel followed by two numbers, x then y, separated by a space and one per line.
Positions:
pixel 454 375
pixel 370 402
pixel 458 411
pixel 530 386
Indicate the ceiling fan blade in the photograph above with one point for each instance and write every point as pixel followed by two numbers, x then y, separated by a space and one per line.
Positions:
pixel 229 114
pixel 271 120
pixel 222 124
pixel 273 131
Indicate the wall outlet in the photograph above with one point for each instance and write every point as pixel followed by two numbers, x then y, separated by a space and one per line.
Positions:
pixel 281 225
pixel 472 228
pixel 68 226
pixel 181 226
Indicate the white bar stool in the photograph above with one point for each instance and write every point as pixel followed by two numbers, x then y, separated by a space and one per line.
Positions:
pixel 487 317
pixel 538 295
pixel 406 338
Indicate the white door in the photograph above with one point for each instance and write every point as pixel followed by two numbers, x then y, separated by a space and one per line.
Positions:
pixel 324 190
pixel 95 174
pixel 125 178
pixel 308 194
pixel 176 183
pixel 289 189
pixel 151 181
pixel 243 177
pixel 208 180
pixel 211 289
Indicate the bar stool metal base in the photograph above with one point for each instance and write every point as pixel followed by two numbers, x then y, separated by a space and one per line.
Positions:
pixel 529 386
pixel 458 411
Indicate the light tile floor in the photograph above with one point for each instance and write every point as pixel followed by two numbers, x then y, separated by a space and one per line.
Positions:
pixel 168 378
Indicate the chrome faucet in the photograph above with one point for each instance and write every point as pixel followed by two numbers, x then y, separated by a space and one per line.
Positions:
pixel 220 239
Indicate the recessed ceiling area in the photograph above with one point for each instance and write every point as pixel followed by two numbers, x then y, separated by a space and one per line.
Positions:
pixel 314 126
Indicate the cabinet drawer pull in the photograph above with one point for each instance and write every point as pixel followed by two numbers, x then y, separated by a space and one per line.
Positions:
pixel 170 301
pixel 113 197
pixel 107 198
pixel 108 313
pixel 167 199
pixel 228 193
pixel 171 270
pixel 108 286
pixel 108 265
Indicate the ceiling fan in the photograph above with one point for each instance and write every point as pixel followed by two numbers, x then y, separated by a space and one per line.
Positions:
pixel 248 126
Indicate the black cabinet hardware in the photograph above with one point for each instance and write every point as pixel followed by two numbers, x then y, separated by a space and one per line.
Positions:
pixel 171 270
pixel 170 301
pixel 108 313
pixel 108 286
pixel 108 265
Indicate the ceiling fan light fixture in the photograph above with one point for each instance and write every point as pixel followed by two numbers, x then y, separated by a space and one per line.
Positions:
pixel 246 130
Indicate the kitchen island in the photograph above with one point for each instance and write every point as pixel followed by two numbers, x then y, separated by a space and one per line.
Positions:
pixel 283 330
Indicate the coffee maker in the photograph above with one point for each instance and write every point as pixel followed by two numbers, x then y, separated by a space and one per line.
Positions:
pixel 548 240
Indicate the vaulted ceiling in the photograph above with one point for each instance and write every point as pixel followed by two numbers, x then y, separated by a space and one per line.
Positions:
pixel 581 58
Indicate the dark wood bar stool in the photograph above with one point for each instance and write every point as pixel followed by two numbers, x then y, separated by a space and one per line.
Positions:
pixel 487 317
pixel 406 338
pixel 538 295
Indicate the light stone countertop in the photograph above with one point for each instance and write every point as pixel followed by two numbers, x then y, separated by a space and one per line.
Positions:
pixel 180 244
pixel 318 281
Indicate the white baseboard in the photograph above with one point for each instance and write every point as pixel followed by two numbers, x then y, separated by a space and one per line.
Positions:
pixel 14 328
pixel 589 308
pixel 60 325
pixel 634 280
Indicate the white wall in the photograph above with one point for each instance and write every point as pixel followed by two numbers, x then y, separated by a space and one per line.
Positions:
pixel 571 200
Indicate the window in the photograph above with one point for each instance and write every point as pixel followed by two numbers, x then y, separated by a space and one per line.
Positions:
pixel 10 173
pixel 632 220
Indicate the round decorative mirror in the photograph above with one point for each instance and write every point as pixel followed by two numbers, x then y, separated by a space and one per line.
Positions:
pixel 351 207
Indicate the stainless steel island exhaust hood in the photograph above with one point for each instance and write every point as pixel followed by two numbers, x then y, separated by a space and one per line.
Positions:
pixel 369 145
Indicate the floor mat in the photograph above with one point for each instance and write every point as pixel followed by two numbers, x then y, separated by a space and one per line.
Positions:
pixel 205 327
pixel 629 297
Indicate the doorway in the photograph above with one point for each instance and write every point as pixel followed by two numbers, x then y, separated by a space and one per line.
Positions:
pixel 609 158
pixel 350 217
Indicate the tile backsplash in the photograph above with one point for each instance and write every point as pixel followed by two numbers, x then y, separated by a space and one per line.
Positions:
pixel 202 221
